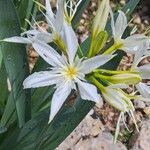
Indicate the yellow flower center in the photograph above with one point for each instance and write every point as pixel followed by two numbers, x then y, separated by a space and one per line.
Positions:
pixel 71 72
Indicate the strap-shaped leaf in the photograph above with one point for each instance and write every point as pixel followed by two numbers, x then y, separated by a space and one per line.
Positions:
pixel 1 57
pixel 26 10
pixel 9 115
pixel 3 88
pixel 15 59
pixel 79 12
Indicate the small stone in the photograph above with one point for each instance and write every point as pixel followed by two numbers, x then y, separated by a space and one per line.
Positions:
pixel 82 21
pixel 34 54
pixel 147 110
pixel 104 141
pixel 88 128
pixel 140 141
pixel 137 20
pixel 139 104
pixel 123 2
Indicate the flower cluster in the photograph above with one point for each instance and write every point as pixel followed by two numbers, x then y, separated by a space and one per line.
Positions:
pixel 70 69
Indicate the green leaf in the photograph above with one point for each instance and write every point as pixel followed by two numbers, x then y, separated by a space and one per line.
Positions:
pixel 15 60
pixel 37 134
pixel 9 115
pixel 26 10
pixel 41 98
pixel 130 6
pixel 1 58
pixel 79 12
pixel 3 88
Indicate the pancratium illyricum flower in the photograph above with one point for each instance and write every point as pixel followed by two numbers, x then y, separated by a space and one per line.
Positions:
pixel 66 72
pixel 144 71
pixel 55 22
pixel 111 84
pixel 129 44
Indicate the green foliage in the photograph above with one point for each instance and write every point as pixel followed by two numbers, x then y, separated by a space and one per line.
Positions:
pixel 15 60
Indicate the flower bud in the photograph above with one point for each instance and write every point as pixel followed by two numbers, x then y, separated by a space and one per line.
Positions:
pixel 101 17
pixel 126 78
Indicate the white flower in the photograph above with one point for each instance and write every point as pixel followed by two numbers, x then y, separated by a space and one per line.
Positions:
pixel 144 71
pixel 117 98
pixel 67 73
pixel 131 43
pixel 144 90
pixel 55 23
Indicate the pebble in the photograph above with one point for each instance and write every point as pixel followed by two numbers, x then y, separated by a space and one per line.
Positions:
pixel 139 104
pixel 140 141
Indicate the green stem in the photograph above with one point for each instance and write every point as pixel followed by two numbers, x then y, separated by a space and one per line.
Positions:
pixel 112 72
pixel 90 53
pixel 98 84
pixel 110 49
pixel 100 76
pixel 80 53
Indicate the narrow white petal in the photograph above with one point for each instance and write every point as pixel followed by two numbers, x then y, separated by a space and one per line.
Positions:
pixel 144 71
pixel 47 53
pixel 120 24
pixel 17 39
pixel 41 36
pixel 90 64
pixel 44 37
pixel 115 99
pixel 71 42
pixel 58 99
pixel 49 9
pixel 112 22
pixel 30 32
pixel 144 90
pixel 40 79
pixel 89 92
pixel 59 16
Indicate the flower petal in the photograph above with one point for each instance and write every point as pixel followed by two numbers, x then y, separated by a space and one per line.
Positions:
pixel 59 16
pixel 49 9
pixel 144 71
pixel 59 97
pixel 113 97
pixel 41 79
pixel 120 24
pixel 89 92
pixel 134 42
pixel 90 64
pixel 70 41
pixel 44 37
pixel 112 22
pixel 47 53
pixel 143 89
pixel 30 32
pixel 17 39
